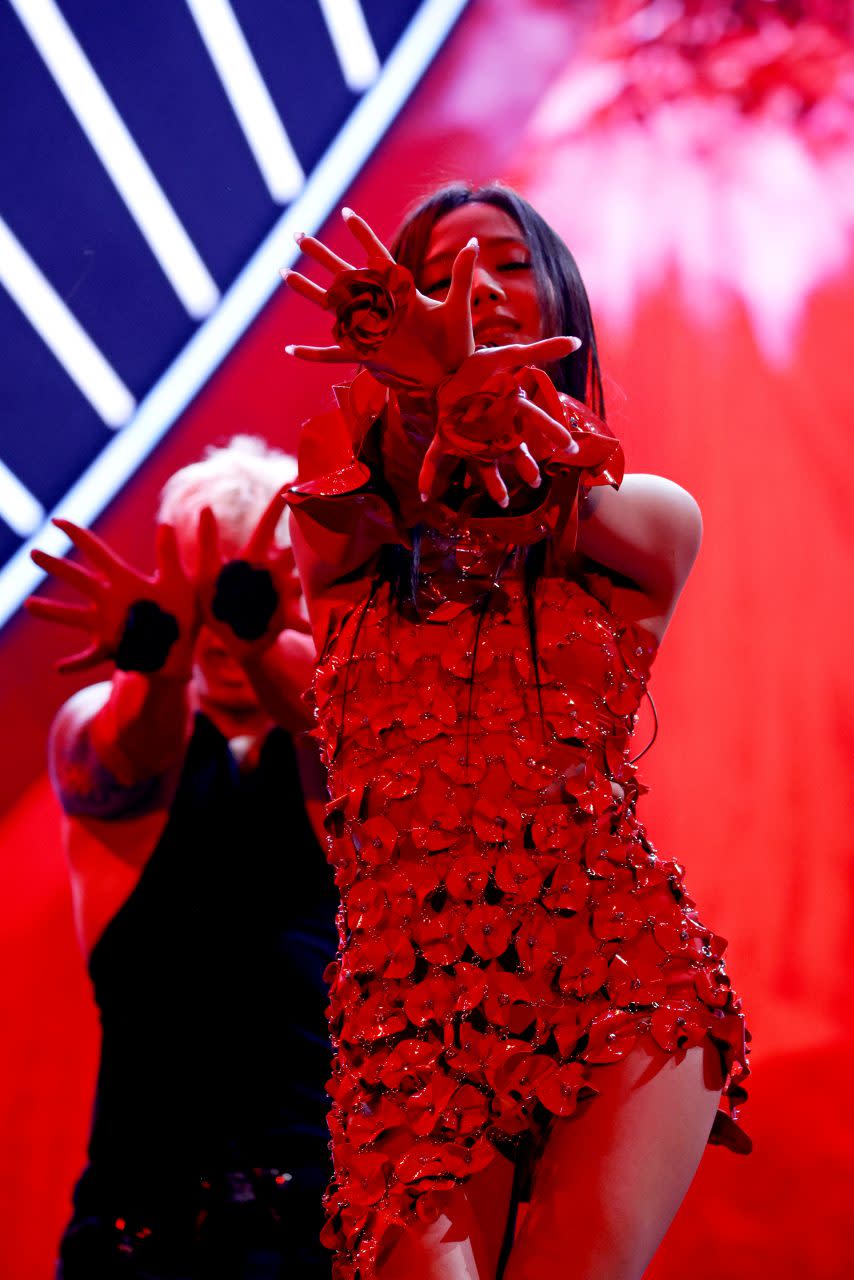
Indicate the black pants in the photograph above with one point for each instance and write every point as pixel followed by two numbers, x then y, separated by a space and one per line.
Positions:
pixel 232 1239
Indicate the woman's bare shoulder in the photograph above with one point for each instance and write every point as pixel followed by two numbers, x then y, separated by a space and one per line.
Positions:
pixel 658 511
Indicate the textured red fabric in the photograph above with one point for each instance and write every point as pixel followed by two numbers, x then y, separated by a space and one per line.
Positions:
pixel 505 915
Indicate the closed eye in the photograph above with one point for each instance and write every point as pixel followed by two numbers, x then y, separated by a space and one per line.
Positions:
pixel 514 266
pixel 438 286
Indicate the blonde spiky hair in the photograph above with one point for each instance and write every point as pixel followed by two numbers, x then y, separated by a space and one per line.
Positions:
pixel 237 481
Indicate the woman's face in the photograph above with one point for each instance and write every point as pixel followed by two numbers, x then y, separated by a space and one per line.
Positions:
pixel 505 302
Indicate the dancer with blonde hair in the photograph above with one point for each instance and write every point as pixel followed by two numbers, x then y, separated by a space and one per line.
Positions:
pixel 202 899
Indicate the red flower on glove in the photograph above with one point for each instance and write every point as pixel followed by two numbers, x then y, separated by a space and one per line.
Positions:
pixel 483 424
pixel 368 304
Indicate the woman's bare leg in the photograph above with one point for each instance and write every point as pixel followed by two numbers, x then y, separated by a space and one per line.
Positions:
pixel 465 1242
pixel 611 1178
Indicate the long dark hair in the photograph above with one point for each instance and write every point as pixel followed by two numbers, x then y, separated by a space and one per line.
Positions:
pixel 562 295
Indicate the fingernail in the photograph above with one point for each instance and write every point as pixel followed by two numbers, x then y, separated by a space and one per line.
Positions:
pixel 284 273
pixel 505 501
pixel 290 350
pixel 299 236
pixel 535 484
pixel 347 213
pixel 576 343
pixel 424 496
pixel 474 243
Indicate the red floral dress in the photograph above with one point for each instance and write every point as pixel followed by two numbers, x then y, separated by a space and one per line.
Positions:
pixel 507 927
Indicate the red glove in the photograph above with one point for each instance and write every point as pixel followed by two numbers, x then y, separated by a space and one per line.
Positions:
pixel 250 599
pixel 145 624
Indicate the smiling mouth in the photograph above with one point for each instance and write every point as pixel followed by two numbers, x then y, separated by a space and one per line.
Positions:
pixel 496 333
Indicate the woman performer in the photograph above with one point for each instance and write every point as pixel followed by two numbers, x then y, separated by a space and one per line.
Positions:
pixel 526 1004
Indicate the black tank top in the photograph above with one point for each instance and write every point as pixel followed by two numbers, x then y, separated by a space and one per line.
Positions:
pixel 209 985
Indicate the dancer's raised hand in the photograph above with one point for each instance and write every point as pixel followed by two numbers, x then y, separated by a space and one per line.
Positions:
pixel 498 410
pixel 249 599
pixel 139 622
pixel 408 341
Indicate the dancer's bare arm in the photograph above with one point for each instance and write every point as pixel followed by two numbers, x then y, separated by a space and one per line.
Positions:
pixel 134 728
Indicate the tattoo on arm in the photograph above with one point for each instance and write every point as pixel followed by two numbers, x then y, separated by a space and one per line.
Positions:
pixel 86 787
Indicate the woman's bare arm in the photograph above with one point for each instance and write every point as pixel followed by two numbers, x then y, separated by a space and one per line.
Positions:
pixel 648 530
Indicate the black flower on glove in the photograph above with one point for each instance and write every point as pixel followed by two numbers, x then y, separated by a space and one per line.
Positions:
pixel 245 599
pixel 368 305
pixel 148 634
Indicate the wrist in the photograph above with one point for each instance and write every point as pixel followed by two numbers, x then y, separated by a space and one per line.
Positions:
pixel 143 726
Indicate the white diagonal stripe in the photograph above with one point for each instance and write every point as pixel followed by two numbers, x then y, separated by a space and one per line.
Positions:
pixel 354 47
pixel 62 332
pixel 22 513
pixel 119 154
pixel 249 97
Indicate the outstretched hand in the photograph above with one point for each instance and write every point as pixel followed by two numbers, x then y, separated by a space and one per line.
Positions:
pixel 250 599
pixel 408 341
pixel 140 623
pixel 485 416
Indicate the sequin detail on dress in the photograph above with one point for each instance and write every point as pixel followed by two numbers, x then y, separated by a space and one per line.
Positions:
pixel 507 928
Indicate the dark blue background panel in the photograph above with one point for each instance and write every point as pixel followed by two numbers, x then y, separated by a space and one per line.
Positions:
pixel 70 219
pixel 48 431
pixel 153 63
pixel 387 19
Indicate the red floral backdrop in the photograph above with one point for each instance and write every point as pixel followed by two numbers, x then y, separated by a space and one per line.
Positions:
pixel 697 158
